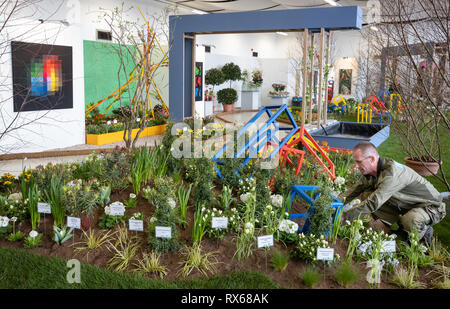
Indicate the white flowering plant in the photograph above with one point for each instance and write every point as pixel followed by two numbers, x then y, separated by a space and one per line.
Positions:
pixel 245 239
pixel 34 239
pixel 137 216
pixel 233 221
pixel 5 228
pixel 287 231
pixel 370 247
pixel 246 185
pixel 14 206
pixel 307 246
pixel 132 201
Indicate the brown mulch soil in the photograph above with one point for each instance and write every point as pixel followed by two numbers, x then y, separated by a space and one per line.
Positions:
pixel 225 249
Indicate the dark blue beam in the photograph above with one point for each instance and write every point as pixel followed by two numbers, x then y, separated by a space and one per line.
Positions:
pixel 180 56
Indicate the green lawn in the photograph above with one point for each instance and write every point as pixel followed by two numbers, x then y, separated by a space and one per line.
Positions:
pixel 24 270
pixel 392 148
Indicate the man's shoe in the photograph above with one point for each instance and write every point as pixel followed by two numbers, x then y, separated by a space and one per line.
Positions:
pixel 428 236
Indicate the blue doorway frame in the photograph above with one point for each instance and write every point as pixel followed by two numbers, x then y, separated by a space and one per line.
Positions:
pixel 183 27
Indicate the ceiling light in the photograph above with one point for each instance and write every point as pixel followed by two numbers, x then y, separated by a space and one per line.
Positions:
pixel 373 28
pixel 198 12
pixel 333 3
pixel 282 33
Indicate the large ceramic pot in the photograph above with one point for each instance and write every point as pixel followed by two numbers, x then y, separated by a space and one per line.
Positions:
pixel 422 168
pixel 228 107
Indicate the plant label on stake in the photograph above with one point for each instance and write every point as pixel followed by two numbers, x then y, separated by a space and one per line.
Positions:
pixel 219 222
pixel 325 254
pixel 116 210
pixel 136 225
pixel 75 223
pixel 44 208
pixel 388 246
pixel 265 242
pixel 163 232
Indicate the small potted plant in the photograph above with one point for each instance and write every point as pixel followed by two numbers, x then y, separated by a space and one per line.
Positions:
pixel 229 96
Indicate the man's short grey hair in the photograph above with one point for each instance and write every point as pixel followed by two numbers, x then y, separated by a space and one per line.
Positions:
pixel 366 148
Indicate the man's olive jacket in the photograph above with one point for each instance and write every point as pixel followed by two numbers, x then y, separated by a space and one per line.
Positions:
pixel 395 183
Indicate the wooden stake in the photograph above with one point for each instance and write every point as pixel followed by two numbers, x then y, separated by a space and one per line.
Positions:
pixel 319 90
pixel 305 59
pixel 311 81
pixel 327 59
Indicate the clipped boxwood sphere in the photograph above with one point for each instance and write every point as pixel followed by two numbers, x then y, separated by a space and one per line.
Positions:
pixel 227 96
pixel 214 77
pixel 231 71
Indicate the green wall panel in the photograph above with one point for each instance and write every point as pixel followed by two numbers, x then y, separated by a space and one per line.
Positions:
pixel 101 66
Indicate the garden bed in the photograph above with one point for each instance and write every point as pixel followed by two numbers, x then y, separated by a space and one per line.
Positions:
pixel 106 138
pixel 289 278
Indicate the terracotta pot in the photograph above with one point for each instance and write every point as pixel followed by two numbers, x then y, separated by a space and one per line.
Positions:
pixel 422 168
pixel 228 107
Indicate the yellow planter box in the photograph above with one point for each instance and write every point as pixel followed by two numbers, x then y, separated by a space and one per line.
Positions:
pixel 101 139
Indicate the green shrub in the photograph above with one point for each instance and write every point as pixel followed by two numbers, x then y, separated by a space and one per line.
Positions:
pixel 214 77
pixel 231 72
pixel 227 96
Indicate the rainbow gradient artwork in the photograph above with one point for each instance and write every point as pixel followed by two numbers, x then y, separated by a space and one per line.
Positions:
pixel 45 75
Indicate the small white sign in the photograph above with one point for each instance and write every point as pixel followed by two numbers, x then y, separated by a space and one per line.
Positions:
pixel 388 246
pixel 163 232
pixel 74 222
pixel 219 222
pixel 136 225
pixel 325 254
pixel 116 210
pixel 44 208
pixel 265 241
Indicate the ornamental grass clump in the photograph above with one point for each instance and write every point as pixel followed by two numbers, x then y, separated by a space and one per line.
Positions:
pixel 438 252
pixel 92 240
pixel 279 260
pixel 311 276
pixel 124 249
pixel 404 278
pixel 151 264
pixel 55 197
pixel 346 274
pixel 194 259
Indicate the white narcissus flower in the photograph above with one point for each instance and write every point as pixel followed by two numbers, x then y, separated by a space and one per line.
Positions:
pixel 108 122
pixel 115 121
pixel 339 180
pixel 14 219
pixel 172 203
pixel 107 211
pixel 132 195
pixel 33 234
pixel 153 219
pixel 4 221
pixel 276 200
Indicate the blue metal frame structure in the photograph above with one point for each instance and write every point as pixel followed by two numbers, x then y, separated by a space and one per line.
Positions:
pixel 262 136
pixel 301 191
pixel 183 29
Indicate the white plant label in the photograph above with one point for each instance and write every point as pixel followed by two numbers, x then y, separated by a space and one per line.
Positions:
pixel 163 232
pixel 219 222
pixel 74 222
pixel 325 254
pixel 44 208
pixel 116 210
pixel 265 241
pixel 388 246
pixel 136 225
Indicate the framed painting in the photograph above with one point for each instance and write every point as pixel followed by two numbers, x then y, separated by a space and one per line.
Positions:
pixel 198 81
pixel 42 76
pixel 345 81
